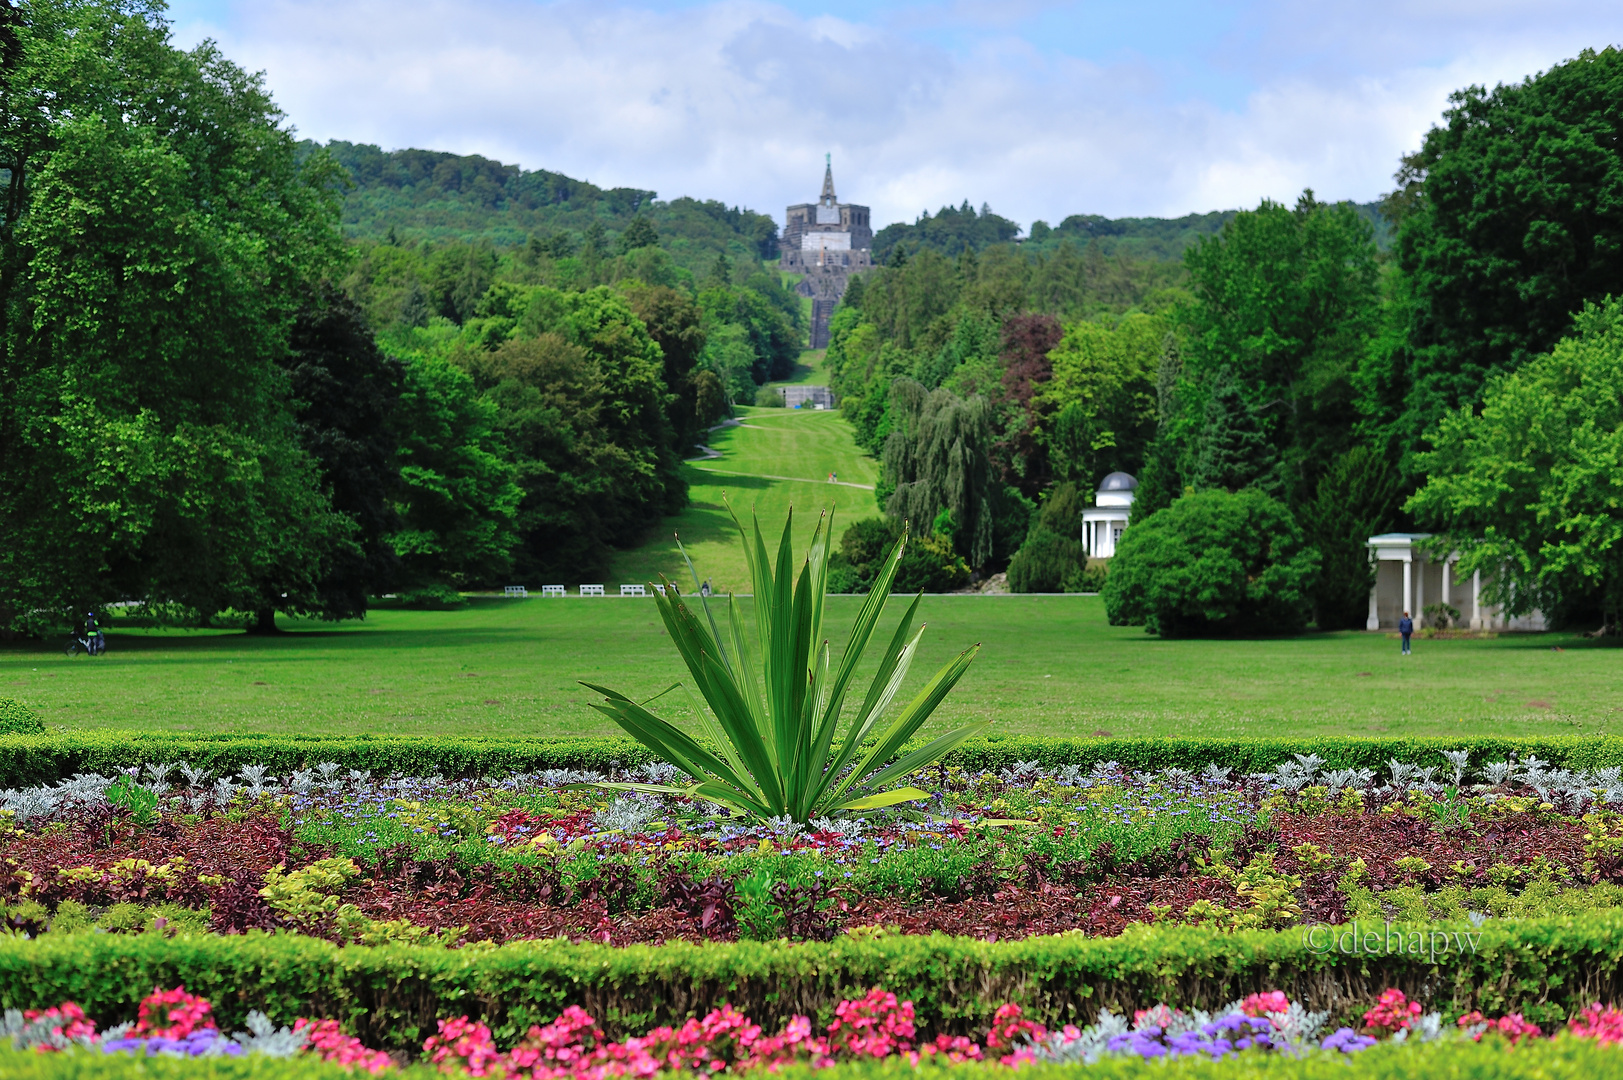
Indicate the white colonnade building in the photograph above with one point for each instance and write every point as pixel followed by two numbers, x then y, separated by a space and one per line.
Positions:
pixel 1406 579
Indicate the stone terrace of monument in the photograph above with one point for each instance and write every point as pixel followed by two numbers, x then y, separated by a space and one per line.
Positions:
pixel 826 241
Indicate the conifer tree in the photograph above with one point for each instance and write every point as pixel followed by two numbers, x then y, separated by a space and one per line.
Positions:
pixel 1234 452
pixel 1159 483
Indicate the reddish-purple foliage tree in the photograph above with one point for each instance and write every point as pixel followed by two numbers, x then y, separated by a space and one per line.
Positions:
pixel 1027 340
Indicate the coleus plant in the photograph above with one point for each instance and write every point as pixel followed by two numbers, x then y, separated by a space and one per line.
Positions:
pixel 774 715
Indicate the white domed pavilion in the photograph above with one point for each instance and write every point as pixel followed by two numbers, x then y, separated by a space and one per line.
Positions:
pixel 1105 521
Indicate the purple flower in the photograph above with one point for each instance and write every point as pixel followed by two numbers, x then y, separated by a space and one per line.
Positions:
pixel 1347 1041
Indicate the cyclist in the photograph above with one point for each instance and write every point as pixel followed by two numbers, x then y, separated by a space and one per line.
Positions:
pixel 95 640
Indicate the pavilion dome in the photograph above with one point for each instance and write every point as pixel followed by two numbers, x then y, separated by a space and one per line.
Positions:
pixel 1118 481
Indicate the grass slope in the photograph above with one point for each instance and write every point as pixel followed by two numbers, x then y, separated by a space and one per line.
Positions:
pixel 1049 665
pixel 809 369
pixel 774 459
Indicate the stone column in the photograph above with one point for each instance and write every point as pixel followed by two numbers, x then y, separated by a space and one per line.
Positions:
pixel 1419 590
pixel 1476 600
pixel 1374 620
pixel 1408 583
pixel 1448 572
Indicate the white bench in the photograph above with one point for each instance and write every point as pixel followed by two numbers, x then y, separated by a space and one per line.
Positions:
pixel 633 590
pixel 552 590
pixel 516 590
pixel 591 590
pixel 660 589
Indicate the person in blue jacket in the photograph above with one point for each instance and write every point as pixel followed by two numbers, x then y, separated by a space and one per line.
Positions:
pixel 1405 627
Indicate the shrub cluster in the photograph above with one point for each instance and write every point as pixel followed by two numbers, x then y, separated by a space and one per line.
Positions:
pixel 18 719
pixel 1213 563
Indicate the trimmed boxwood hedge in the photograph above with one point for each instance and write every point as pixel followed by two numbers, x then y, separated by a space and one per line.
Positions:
pixel 37 759
pixel 390 996
pixel 1561 1059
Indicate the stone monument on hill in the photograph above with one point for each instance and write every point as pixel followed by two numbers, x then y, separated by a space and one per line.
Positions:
pixel 825 242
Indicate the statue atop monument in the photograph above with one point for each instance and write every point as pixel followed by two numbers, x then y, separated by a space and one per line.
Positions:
pixel 825 241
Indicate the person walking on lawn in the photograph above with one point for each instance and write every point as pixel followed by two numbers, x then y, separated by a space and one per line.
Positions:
pixel 1405 627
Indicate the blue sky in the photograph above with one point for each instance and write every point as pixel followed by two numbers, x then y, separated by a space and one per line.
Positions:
pixel 1042 109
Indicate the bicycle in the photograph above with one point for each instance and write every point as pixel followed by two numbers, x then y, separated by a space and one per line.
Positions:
pixel 93 645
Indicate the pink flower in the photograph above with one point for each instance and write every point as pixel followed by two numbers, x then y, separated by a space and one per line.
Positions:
pixel 1008 1028
pixel 329 1043
pixel 185 1013
pixel 462 1045
pixel 1514 1028
pixel 953 1048
pixel 1392 1012
pixel 1603 1025
pixel 875 1026
pixel 74 1024
pixel 1270 1001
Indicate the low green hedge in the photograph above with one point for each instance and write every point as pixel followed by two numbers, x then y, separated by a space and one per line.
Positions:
pixel 1558 1059
pixel 36 759
pixel 391 996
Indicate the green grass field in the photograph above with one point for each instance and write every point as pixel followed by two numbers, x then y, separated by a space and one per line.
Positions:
pixel 1049 665
pixel 773 460
pixel 808 370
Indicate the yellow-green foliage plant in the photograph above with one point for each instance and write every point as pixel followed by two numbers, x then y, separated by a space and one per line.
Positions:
pixel 775 733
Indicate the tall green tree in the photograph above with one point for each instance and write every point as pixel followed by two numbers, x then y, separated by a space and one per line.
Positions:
pixel 159 237
pixel 1097 413
pixel 458 501
pixel 1161 480
pixel 1527 488
pixel 938 462
pixel 676 324
pixel 1287 298
pixel 579 388
pixel 1357 497
pixel 773 335
pixel 345 393
pixel 1512 218
pixel 1233 452
pixel 640 233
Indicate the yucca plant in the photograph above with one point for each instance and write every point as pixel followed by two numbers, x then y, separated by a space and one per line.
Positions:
pixel 778 746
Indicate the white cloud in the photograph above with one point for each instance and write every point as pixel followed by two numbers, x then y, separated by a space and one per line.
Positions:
pixel 739 99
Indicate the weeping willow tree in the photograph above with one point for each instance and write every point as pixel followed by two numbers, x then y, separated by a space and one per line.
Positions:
pixel 938 458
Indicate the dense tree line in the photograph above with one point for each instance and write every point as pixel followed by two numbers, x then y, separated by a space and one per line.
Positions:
pixel 1350 371
pixel 212 402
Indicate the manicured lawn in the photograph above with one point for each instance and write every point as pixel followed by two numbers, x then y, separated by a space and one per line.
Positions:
pixel 1050 665
pixel 773 460
pixel 808 370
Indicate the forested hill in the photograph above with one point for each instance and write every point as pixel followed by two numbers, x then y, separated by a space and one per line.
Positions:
pixel 417 195
pixel 953 230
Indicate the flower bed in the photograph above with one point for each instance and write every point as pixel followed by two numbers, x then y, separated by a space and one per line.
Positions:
pixel 174 1024
pixel 995 855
